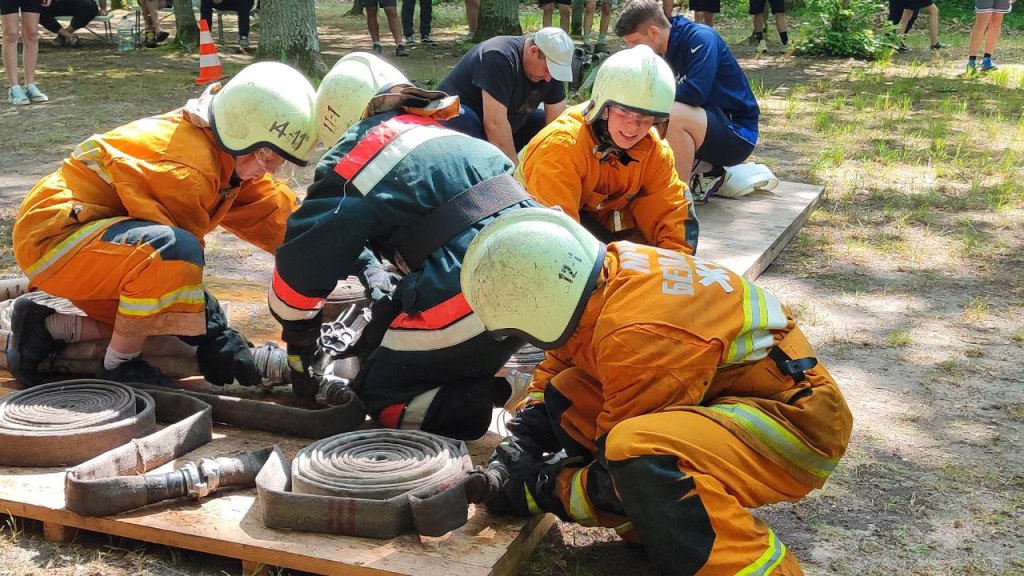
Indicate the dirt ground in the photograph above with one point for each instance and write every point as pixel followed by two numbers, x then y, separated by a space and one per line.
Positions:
pixel 909 280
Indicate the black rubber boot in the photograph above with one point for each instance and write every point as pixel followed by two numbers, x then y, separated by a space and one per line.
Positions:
pixel 32 342
pixel 136 370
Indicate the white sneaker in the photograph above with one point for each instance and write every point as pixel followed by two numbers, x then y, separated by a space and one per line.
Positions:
pixel 704 185
pixel 16 95
pixel 762 47
pixel 35 94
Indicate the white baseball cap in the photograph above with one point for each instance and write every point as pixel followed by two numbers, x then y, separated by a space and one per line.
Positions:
pixel 557 48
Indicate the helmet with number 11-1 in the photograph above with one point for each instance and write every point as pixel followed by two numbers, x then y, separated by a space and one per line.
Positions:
pixel 266 105
pixel 530 273
pixel 636 79
pixel 344 93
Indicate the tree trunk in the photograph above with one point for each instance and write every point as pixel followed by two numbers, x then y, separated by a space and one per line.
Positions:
pixel 576 21
pixel 357 9
pixel 288 34
pixel 498 18
pixel 186 34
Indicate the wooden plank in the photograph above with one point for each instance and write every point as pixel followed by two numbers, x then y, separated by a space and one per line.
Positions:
pixel 58 533
pixel 746 234
pixel 229 525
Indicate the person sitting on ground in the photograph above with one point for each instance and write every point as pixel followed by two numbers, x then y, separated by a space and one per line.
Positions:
pixel 588 24
pixel 715 115
pixel 23 13
pixel 425 361
pixel 242 7
pixel 988 23
pixel 426 15
pixel 391 12
pixel 118 229
pixel 81 11
pixel 756 9
pixel 681 393
pixel 604 163
pixel 502 82
pixel 910 9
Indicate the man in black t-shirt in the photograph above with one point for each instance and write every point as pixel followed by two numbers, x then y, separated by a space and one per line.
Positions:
pixel 501 83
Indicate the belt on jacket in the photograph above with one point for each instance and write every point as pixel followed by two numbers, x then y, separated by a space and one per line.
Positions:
pixel 443 223
pixel 790 367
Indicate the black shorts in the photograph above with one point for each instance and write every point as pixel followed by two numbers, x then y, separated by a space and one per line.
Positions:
pixel 777 6
pixel 722 146
pixel 378 3
pixel 562 2
pixel 712 6
pixel 14 6
pixel 916 4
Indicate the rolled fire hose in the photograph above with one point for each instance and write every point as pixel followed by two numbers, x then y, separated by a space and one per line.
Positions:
pixel 372 483
pixel 64 423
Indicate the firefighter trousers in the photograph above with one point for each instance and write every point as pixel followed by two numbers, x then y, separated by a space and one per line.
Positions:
pixel 678 482
pixel 142 278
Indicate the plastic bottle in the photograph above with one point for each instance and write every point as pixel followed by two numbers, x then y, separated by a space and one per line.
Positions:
pixel 125 35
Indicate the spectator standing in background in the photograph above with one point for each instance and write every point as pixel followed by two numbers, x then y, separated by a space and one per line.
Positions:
pixel 426 15
pixel 26 14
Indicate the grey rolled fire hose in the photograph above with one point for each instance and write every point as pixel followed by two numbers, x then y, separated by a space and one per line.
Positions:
pixel 372 483
pixel 386 482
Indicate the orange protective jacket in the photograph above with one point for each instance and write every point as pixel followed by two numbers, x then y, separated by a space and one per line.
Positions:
pixel 668 331
pixel 561 167
pixel 162 169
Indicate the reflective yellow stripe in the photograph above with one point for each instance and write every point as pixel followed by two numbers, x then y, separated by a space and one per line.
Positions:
pixel 536 395
pixel 68 245
pixel 623 529
pixel 531 504
pixel 579 507
pixel 777 438
pixel 768 561
pixel 762 313
pixel 149 306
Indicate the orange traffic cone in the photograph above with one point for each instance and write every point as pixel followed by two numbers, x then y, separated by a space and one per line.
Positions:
pixel 209 63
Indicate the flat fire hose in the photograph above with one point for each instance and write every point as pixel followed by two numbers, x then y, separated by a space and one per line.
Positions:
pixel 372 483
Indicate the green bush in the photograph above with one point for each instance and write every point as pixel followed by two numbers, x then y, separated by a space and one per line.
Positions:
pixel 847 28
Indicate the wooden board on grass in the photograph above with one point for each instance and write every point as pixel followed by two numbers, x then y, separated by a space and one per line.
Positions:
pixel 746 234
pixel 229 525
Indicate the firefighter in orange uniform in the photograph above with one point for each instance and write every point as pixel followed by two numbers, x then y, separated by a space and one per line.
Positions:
pixel 118 229
pixel 682 394
pixel 605 164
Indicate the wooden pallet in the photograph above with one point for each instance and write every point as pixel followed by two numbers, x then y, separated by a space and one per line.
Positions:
pixel 746 234
pixel 229 525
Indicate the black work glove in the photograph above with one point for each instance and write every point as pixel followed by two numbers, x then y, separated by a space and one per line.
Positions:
pixel 518 470
pixel 305 382
pixel 534 429
pixel 377 282
pixel 227 357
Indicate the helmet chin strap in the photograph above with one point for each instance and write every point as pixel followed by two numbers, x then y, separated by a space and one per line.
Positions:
pixel 606 148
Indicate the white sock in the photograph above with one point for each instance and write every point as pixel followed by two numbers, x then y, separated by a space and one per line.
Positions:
pixel 66 327
pixel 112 359
pixel 600 38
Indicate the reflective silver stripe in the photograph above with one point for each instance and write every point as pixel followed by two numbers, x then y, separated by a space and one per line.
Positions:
pixel 777 438
pixel 89 153
pixel 67 246
pixel 286 312
pixel 209 60
pixel 396 150
pixel 768 561
pixel 762 313
pixel 149 306
pixel 422 340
